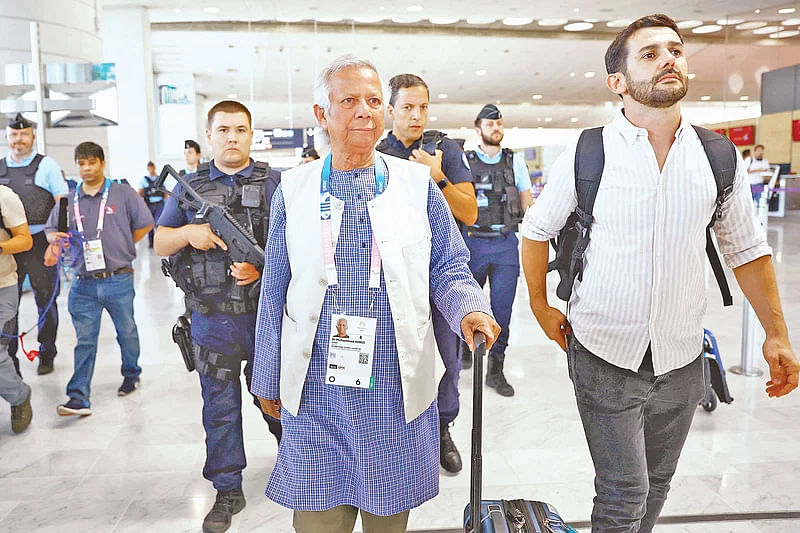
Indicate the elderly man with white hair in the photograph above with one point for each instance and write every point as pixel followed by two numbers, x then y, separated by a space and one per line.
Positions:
pixel 368 238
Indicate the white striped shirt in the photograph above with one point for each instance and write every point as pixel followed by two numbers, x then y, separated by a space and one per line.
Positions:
pixel 644 274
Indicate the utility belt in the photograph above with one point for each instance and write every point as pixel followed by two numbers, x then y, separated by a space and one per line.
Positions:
pixel 106 274
pixel 226 307
pixel 207 362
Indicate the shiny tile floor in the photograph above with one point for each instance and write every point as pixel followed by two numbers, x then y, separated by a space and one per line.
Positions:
pixel 135 464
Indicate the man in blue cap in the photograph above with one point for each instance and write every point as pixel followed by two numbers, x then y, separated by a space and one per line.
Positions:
pixel 38 196
pixel 502 189
pixel 409 99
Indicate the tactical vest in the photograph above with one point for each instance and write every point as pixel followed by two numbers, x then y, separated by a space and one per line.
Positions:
pixel 37 201
pixel 503 211
pixel 151 191
pixel 204 276
pixel 429 141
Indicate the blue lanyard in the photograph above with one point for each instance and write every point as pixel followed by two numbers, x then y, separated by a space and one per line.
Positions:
pixel 101 215
pixel 325 185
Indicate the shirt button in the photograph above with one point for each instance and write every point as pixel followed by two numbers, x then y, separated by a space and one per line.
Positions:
pixel 313 318
pixel 359 197
pixel 363 245
pixel 307 354
pixel 361 220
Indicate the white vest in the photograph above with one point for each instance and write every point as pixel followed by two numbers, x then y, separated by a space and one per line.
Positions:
pixel 400 223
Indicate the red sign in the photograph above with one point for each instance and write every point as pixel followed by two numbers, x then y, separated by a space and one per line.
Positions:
pixel 743 135
pixel 796 130
pixel 721 131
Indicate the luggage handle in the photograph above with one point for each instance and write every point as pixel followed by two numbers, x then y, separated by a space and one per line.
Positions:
pixel 479 341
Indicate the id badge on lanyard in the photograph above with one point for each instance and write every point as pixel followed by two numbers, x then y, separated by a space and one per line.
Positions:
pixel 351 348
pixel 93 258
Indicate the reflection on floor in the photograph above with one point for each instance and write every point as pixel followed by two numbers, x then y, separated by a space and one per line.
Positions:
pixel 135 464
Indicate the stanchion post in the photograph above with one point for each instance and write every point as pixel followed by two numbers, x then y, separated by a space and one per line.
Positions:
pixel 751 328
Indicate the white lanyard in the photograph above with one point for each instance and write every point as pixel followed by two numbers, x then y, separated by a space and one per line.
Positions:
pixel 325 219
pixel 100 216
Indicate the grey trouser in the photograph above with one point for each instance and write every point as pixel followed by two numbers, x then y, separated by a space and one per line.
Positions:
pixel 342 519
pixel 635 424
pixel 12 388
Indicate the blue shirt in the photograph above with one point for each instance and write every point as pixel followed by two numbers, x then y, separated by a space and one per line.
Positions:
pixel 350 446
pixel 48 176
pixel 454 162
pixel 522 178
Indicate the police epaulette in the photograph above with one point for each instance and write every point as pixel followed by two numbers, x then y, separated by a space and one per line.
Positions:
pixel 260 169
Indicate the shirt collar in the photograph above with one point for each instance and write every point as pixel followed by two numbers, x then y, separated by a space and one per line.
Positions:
pixel 486 158
pixel 399 144
pixel 25 162
pixel 630 132
pixel 83 194
pixel 215 173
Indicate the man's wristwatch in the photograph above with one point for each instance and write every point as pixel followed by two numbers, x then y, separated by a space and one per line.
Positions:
pixel 442 183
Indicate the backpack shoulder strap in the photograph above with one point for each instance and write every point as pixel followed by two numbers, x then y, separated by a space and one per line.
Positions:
pixel 590 158
pixel 721 154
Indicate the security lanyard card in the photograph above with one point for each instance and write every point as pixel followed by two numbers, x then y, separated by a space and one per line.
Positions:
pixel 93 255
pixel 351 351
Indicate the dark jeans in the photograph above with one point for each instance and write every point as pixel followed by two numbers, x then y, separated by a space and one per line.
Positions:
pixel 496 259
pixel 635 424
pixel 43 281
pixel 87 299
pixel 449 349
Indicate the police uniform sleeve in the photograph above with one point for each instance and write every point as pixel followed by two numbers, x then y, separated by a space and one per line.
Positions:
pixel 269 322
pixel 522 178
pixel 550 211
pixel 51 178
pixel 138 213
pixel 453 289
pixel 173 216
pixel 454 163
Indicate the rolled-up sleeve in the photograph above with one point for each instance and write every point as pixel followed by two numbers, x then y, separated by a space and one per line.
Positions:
pixel 274 286
pixel 740 235
pixel 452 288
pixel 558 200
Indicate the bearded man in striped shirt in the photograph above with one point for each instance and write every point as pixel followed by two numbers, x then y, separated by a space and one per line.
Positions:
pixel 635 337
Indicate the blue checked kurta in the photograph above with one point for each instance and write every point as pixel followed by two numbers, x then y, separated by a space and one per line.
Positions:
pixel 350 446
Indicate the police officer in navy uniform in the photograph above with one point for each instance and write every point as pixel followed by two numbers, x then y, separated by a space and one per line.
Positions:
pixel 153 197
pixel 39 182
pixel 222 294
pixel 408 107
pixel 191 156
pixel 502 189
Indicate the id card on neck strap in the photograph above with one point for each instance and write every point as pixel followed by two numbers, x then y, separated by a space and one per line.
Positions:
pixel 351 351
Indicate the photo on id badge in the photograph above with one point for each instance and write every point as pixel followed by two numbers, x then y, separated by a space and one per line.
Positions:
pixel 350 351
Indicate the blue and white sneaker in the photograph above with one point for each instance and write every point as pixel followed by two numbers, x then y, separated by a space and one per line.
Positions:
pixel 73 407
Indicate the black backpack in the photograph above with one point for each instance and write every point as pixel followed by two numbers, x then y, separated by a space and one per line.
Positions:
pixel 573 239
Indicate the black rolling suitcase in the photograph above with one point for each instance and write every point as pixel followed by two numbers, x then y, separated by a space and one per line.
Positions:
pixel 500 516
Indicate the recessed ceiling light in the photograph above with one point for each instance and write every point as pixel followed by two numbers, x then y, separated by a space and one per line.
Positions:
pixel 757 11
pixel 574 119
pixel 480 20
pixel 784 34
pixel 414 9
pixel 443 20
pixel 211 9
pixel 705 98
pixel 743 98
pixel 461 72
pixel 463 128
pixel 328 19
pixel 517 21
pixel 497 102
pixel 579 26
pixel 442 96
pixel 576 10
pixel 729 22
pixel 571 74
pixel 710 28
pixel 619 23
pixel 787 10
pixel 289 19
pixel 434 118
pixel 232 95
pixel 480 72
pixel 552 22
pixel 767 29
pixel 790 22
pixel 751 25
pixel 286 117
pixel 548 119
pixel 691 75
pixel 593 21
pixel 589 74
pixel 406 20
pixel 525 104
pixel 177 10
pixel 688 24
pixel 539 119
pixel 367 19
pixel 537 96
